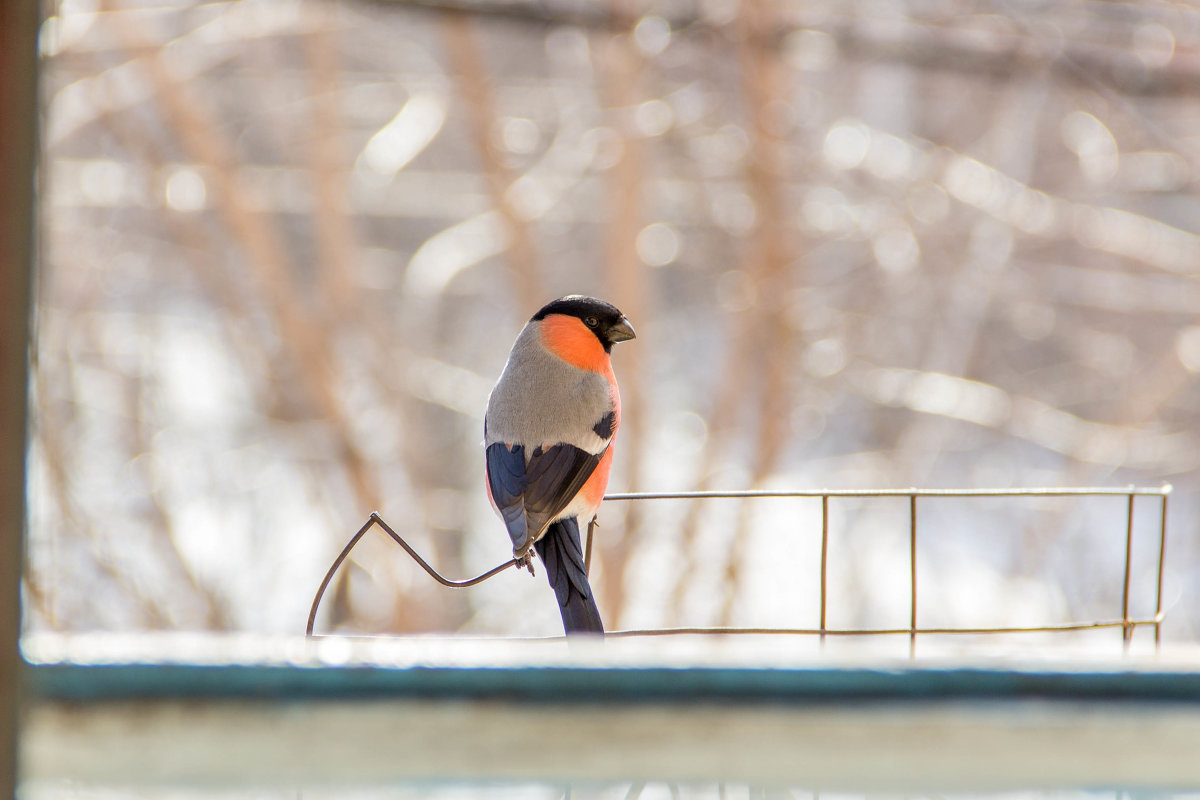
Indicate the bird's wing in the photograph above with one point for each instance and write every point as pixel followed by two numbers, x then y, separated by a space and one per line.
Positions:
pixel 506 482
pixel 530 493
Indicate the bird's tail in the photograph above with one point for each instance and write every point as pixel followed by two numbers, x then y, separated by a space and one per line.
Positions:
pixel 562 553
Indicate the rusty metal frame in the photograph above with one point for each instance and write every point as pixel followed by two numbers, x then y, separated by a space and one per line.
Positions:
pixel 374 520
pixel 1127 623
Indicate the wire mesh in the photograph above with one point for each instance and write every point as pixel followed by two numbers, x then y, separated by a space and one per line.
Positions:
pixel 1127 622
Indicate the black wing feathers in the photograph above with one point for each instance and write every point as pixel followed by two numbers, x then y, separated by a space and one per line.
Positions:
pixel 531 494
pixel 506 479
pixel 554 476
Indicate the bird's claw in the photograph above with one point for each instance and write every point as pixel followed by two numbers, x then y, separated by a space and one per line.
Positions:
pixel 526 562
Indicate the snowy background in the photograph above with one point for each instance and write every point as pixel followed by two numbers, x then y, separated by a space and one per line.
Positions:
pixel 286 246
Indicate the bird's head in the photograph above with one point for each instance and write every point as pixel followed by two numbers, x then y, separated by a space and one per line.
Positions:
pixel 603 319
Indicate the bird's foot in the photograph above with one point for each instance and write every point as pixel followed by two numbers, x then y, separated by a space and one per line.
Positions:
pixel 526 562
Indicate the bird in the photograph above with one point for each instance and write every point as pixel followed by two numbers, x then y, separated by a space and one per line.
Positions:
pixel 548 438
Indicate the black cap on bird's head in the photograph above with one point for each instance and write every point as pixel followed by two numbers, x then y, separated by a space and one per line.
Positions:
pixel 604 319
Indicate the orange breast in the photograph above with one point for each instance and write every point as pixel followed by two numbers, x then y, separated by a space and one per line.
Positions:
pixel 593 490
pixel 573 342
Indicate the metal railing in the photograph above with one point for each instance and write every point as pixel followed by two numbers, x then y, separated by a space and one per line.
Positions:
pixel 1127 622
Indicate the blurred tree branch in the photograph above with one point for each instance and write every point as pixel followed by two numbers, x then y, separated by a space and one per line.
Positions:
pixel 758 362
pixel 327 159
pixel 956 45
pixel 476 91
pixel 188 115
pixel 772 259
pixel 622 76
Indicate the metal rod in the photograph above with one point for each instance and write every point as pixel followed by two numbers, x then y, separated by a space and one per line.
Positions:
pixel 1162 549
pixel 1038 491
pixel 587 549
pixel 912 575
pixel 824 561
pixel 375 519
pixel 725 631
pixel 1127 632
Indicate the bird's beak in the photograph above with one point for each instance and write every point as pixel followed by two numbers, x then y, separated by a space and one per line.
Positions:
pixel 621 332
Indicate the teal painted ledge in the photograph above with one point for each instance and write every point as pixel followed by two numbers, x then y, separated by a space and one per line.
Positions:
pixel 583 684
pixel 164 666
pixel 255 711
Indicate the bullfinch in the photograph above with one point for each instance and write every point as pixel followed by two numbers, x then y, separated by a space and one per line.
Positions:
pixel 548 434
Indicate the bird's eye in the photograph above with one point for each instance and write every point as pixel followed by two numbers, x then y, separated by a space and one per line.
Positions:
pixel 591 322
